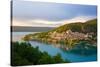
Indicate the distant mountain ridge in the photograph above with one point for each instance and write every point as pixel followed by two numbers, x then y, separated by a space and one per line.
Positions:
pixel 30 29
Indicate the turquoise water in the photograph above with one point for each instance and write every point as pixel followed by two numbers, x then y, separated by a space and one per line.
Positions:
pixel 53 50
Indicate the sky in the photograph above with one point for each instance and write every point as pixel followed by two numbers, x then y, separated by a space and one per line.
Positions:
pixel 45 14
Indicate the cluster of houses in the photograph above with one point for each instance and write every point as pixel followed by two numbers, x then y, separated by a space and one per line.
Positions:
pixel 55 36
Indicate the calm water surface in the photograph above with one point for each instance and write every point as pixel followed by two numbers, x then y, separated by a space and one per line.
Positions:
pixel 52 50
pixel 17 36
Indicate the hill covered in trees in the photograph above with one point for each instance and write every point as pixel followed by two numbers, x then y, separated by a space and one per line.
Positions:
pixel 87 27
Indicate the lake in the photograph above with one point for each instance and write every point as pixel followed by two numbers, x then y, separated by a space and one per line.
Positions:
pixel 53 50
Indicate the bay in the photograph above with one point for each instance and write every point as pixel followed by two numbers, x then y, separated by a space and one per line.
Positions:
pixel 53 50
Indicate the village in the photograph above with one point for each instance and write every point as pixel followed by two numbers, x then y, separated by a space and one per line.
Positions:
pixel 55 36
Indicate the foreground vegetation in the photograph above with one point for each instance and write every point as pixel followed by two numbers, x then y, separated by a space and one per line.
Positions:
pixel 24 54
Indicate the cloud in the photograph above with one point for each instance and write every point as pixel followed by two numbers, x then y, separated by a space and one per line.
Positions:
pixel 79 19
pixel 20 23
pixel 43 21
pixel 46 23
pixel 34 23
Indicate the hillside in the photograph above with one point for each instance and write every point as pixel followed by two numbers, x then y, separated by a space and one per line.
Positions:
pixel 89 26
pixel 68 34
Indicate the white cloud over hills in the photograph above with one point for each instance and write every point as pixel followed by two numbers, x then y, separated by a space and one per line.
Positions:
pixel 46 23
